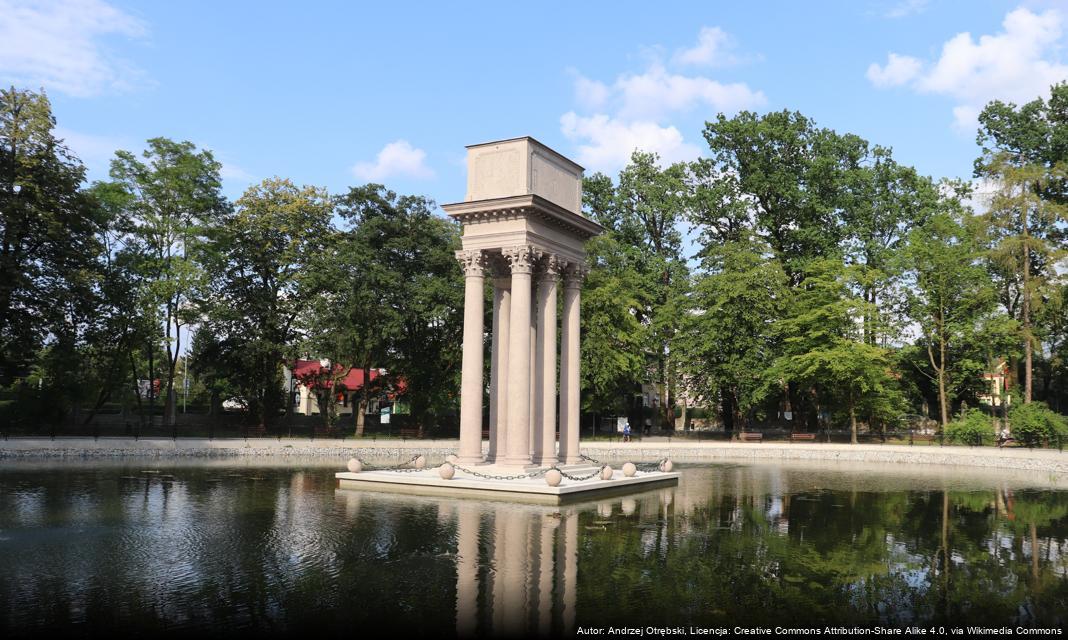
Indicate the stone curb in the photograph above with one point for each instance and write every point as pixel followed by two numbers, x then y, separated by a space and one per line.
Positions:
pixel 86 448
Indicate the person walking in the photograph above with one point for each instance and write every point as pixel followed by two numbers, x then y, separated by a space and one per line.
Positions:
pixel 626 432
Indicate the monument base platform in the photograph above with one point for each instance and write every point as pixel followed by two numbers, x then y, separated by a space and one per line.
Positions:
pixel 429 482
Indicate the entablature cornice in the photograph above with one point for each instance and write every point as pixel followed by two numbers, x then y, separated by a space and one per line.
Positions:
pixel 523 207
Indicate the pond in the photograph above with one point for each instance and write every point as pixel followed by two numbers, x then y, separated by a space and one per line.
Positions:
pixel 256 547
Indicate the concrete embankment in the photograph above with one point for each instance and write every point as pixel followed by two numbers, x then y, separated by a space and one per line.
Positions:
pixel 650 449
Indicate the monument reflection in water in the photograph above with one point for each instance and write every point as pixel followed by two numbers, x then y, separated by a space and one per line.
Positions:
pixel 517 564
pixel 220 548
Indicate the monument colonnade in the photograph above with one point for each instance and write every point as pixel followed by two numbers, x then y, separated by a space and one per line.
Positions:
pixel 523 228
pixel 523 410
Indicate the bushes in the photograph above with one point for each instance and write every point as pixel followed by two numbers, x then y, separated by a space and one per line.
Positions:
pixel 1035 422
pixel 973 428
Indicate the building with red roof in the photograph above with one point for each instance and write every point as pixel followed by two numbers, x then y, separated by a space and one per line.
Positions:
pixel 307 374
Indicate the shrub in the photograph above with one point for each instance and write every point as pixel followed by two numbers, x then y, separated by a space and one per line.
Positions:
pixel 974 427
pixel 1035 422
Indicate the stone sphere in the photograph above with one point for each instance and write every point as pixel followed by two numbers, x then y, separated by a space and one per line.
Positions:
pixel 629 469
pixel 666 466
pixel 354 465
pixel 447 471
pixel 452 457
pixel 553 477
pixel 420 462
pixel 606 473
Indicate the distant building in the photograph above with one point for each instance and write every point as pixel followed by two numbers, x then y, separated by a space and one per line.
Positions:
pixel 302 399
pixel 997 386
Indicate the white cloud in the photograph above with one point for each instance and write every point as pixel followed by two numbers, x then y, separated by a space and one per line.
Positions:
pixel 657 92
pixel 398 158
pixel 57 44
pixel 609 142
pixel 590 94
pixel 1019 64
pixel 907 8
pixel 898 71
pixel 713 48
pixel 632 112
pixel 236 173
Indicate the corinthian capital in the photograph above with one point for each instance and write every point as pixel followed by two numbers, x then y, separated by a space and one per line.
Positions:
pixel 473 262
pixel 552 267
pixel 521 258
pixel 574 275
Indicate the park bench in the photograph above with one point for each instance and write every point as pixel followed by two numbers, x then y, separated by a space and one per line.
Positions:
pixel 257 431
pixel 923 437
pixel 751 436
pixel 409 433
pixel 802 437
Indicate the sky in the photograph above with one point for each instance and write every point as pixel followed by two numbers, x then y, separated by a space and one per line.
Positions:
pixel 337 94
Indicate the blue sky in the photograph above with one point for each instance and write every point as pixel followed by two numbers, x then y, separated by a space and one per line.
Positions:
pixel 337 94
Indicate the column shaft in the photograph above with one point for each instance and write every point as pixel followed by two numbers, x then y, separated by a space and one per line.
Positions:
pixel 471 373
pixel 518 445
pixel 502 297
pixel 569 371
pixel 545 355
pixel 534 386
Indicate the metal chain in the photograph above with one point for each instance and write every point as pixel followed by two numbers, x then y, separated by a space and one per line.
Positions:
pixel 490 476
pixel 403 468
pixel 650 466
pixel 399 467
pixel 581 478
pixel 640 466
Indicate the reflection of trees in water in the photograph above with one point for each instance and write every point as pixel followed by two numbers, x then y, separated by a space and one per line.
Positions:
pixel 730 545
pixel 762 549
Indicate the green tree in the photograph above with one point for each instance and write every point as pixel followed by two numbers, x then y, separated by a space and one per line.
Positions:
pixel 393 298
pixel 1035 133
pixel 794 178
pixel 1023 229
pixel 49 231
pixel 726 337
pixel 172 195
pixel 823 350
pixel 261 256
pixel 885 201
pixel 951 290
pixel 651 205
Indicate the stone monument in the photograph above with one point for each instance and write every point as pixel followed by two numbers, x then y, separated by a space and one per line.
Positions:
pixel 522 227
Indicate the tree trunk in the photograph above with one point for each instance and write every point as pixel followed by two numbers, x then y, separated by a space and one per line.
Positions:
pixel 137 390
pixel 151 388
pixel 365 400
pixel 852 420
pixel 1026 310
pixel 727 412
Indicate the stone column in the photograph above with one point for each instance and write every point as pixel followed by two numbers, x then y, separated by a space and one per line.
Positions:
pixel 521 259
pixel 569 367
pixel 502 299
pixel 534 387
pixel 545 358
pixel 474 263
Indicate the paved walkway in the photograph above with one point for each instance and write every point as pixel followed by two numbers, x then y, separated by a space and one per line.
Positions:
pixel 648 450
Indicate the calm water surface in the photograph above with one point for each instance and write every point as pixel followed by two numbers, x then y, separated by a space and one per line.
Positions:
pixel 221 547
